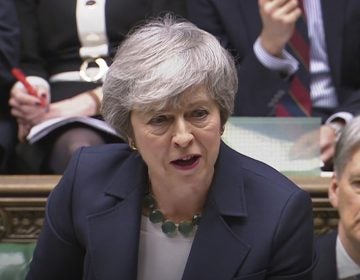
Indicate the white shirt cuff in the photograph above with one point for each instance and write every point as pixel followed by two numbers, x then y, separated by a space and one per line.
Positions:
pixel 345 116
pixel 287 64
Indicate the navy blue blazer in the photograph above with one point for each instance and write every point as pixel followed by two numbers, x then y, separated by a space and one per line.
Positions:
pixel 237 24
pixel 9 55
pixel 9 41
pixel 256 223
pixel 325 268
pixel 9 49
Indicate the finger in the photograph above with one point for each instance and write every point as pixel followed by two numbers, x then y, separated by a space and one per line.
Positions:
pixel 327 137
pixel 30 114
pixel 22 132
pixel 274 5
pixel 23 98
pixel 45 101
pixel 21 121
pixel 289 12
pixel 13 102
pixel 18 114
pixel 44 94
pixel 23 107
pixel 327 154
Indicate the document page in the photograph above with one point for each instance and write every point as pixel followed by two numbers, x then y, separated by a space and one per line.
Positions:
pixel 39 131
pixel 290 145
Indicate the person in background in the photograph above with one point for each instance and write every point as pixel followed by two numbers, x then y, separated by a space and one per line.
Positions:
pixel 174 202
pixel 67 47
pixel 9 55
pixel 339 251
pixel 263 36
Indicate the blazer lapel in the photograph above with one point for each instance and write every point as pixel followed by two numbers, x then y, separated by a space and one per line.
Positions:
pixel 217 251
pixel 114 233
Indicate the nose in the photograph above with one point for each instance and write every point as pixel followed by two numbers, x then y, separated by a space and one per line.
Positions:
pixel 182 136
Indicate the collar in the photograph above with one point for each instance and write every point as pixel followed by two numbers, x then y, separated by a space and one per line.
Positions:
pixel 130 175
pixel 227 191
pixel 128 183
pixel 346 267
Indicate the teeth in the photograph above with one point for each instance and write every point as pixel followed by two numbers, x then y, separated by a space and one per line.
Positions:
pixel 187 158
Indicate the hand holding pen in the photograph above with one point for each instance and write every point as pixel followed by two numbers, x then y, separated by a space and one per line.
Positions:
pixel 19 75
pixel 29 104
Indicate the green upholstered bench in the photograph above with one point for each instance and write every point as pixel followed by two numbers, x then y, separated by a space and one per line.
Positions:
pixel 15 259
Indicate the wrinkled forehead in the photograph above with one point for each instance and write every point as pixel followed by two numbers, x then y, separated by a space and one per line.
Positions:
pixel 193 95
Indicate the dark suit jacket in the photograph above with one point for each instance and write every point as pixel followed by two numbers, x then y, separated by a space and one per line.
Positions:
pixel 9 41
pixel 256 223
pixel 9 55
pixel 9 50
pixel 237 24
pixel 325 268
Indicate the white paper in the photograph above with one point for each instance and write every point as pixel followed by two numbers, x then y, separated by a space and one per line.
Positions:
pixel 42 129
pixel 258 138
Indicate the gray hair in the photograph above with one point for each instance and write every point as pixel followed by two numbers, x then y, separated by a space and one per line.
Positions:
pixel 160 60
pixel 347 145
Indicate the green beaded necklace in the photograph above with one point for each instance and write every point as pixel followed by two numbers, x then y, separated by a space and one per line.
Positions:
pixel 169 227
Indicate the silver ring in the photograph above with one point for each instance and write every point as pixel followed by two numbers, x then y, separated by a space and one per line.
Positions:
pixel 102 68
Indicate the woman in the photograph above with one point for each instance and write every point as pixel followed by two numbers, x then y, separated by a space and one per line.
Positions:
pixel 169 92
pixel 66 49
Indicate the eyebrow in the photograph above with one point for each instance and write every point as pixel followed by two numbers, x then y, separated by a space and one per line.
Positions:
pixel 169 107
pixel 201 99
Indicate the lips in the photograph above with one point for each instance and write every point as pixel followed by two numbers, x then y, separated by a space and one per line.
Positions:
pixel 186 162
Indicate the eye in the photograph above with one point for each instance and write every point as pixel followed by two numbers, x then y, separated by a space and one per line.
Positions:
pixel 158 120
pixel 199 113
pixel 356 185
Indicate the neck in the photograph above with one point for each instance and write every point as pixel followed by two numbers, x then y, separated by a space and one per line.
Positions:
pixel 179 202
pixel 352 248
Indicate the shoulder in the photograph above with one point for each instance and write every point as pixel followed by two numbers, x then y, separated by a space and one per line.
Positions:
pixel 98 154
pixel 96 166
pixel 256 174
pixel 265 191
pixel 90 171
pixel 95 180
pixel 271 205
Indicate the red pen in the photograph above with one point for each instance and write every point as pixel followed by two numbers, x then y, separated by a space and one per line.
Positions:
pixel 19 75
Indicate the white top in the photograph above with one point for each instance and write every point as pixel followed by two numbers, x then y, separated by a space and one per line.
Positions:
pixel 91 27
pixel 160 256
pixel 346 267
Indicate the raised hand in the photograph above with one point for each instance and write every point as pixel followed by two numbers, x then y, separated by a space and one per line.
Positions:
pixel 278 18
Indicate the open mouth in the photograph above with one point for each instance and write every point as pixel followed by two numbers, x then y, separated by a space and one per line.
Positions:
pixel 187 161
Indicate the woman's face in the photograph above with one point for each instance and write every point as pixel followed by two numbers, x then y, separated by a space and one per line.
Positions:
pixel 180 144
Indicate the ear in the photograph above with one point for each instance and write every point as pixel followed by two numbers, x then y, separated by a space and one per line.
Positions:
pixel 333 191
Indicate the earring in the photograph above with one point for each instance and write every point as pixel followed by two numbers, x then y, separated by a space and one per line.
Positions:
pixel 132 144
